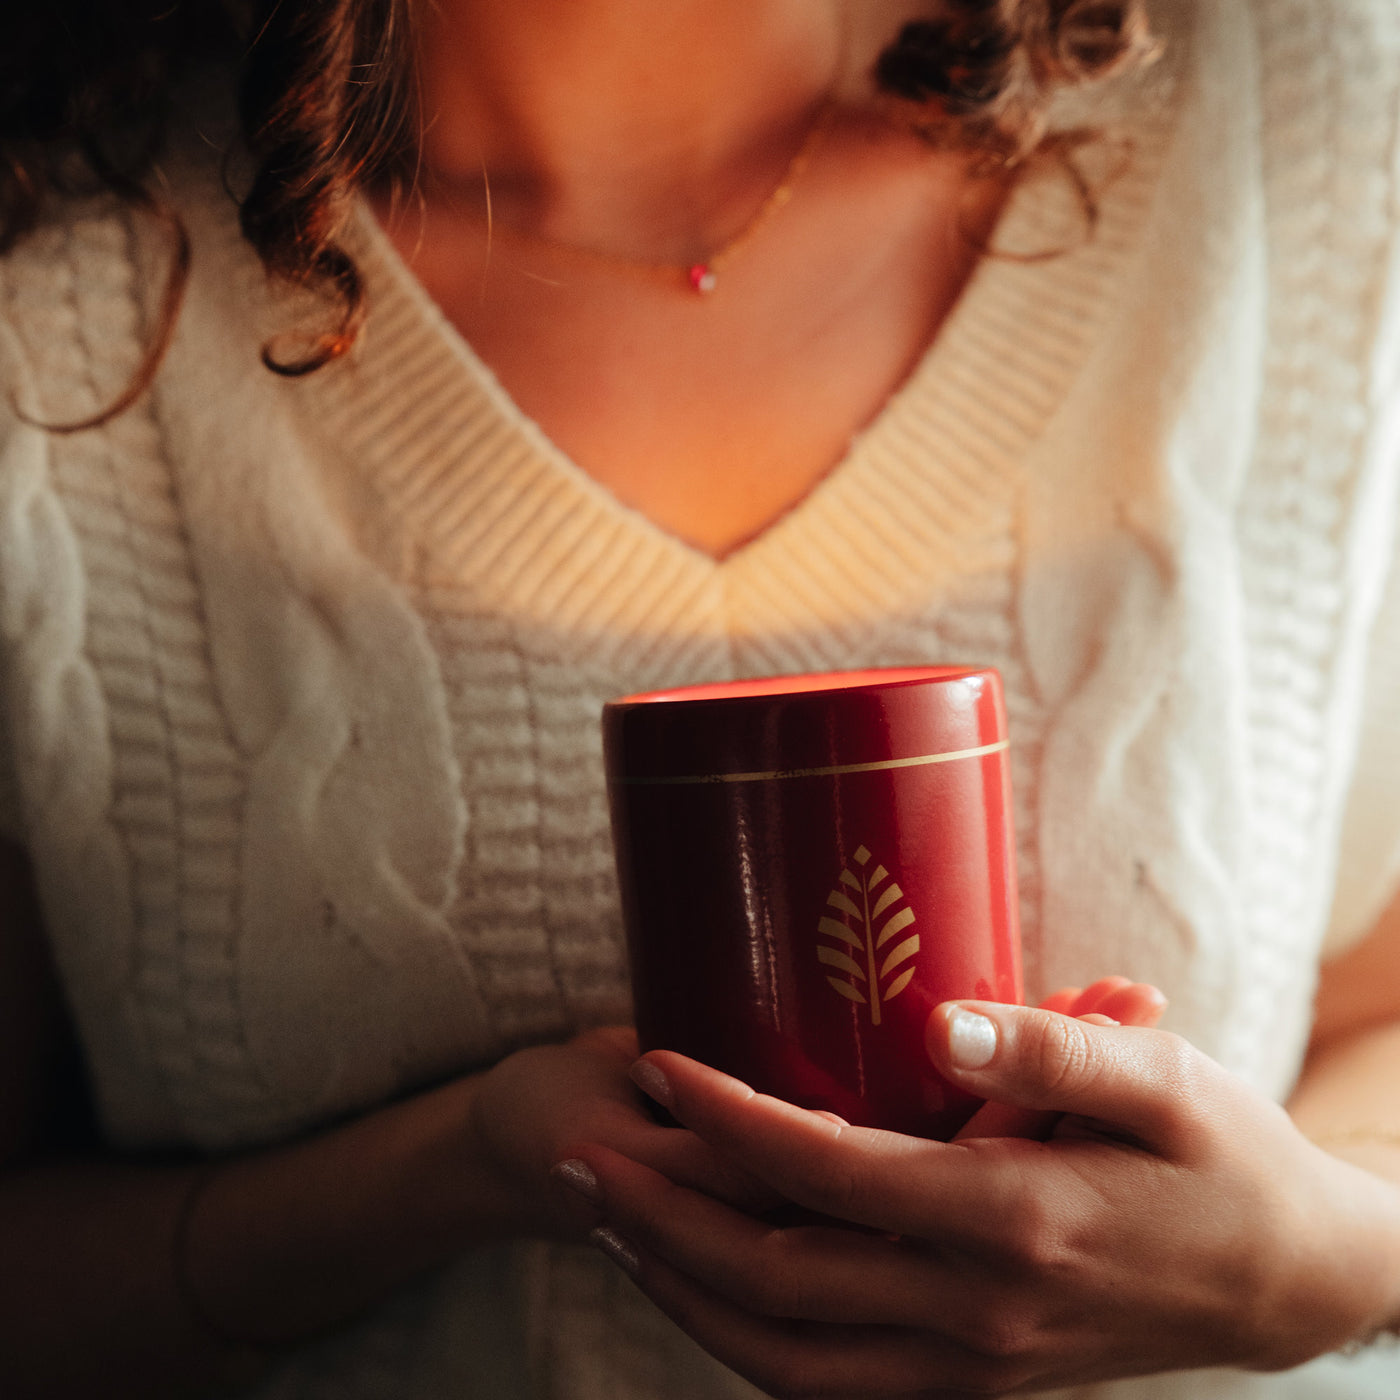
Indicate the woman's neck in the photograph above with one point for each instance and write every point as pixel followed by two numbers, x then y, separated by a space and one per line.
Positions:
pixel 643 126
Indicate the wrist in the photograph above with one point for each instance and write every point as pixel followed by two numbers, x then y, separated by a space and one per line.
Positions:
pixel 279 1245
pixel 530 1109
pixel 188 1276
pixel 512 1204
pixel 1373 1148
pixel 1382 1233
pixel 1360 1250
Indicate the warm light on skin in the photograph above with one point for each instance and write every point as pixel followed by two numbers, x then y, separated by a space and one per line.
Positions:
pixel 649 165
pixel 648 151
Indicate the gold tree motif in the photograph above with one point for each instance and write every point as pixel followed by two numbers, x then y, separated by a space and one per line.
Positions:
pixel 861 905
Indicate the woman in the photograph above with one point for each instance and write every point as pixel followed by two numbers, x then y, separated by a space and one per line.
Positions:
pixel 302 673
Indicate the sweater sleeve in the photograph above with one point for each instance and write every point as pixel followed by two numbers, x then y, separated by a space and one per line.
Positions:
pixel 1368 873
pixel 1368 870
pixel 11 826
pixel 11 431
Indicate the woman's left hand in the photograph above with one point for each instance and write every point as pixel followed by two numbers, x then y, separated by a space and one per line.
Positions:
pixel 1174 1219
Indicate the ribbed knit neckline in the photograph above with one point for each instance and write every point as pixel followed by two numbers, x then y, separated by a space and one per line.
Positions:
pixel 478 494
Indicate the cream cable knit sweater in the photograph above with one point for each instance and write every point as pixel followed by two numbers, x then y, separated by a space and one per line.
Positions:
pixel 301 680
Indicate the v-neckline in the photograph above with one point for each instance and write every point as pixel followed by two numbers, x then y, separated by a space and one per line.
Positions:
pixel 475 490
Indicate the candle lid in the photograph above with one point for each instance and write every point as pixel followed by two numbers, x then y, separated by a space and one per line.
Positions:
pixel 804 726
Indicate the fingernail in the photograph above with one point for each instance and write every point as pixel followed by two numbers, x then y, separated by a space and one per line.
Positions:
pixel 1097 1018
pixel 617 1249
pixel 578 1176
pixel 972 1039
pixel 653 1083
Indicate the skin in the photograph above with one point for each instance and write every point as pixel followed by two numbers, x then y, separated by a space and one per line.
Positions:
pixel 703 417
pixel 666 129
pixel 1006 1265
pixel 284 1243
pixel 1011 1260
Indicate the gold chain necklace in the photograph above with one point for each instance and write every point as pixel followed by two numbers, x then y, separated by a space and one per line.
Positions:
pixel 702 277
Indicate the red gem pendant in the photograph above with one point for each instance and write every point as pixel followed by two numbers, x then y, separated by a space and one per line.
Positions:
pixel 702 278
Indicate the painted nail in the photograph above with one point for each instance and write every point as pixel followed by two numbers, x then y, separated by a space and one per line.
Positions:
pixel 972 1039
pixel 653 1083
pixel 617 1249
pixel 578 1176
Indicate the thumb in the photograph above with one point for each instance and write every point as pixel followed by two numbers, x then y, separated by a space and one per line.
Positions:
pixel 1141 1082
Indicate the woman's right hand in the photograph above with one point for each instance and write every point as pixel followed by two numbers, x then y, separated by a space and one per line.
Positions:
pixel 533 1107
pixel 1176 1219
pixel 1109 1001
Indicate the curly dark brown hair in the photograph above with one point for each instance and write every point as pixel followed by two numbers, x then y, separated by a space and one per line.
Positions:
pixel 324 99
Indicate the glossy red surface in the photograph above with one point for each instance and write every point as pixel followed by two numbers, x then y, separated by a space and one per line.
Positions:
pixel 808 867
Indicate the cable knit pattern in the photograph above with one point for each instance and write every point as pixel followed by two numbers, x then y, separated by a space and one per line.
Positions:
pixel 177 791
pixel 301 679
pixel 1331 243
pixel 175 794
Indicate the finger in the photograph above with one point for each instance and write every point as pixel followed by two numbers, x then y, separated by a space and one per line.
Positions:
pixel 698 1167
pixel 771 1303
pixel 1090 998
pixel 816 1359
pixel 952 1192
pixel 628 1126
pixel 1003 1120
pixel 1142 1083
pixel 817 1273
pixel 1129 1003
pixel 1137 1004
pixel 619 1042
pixel 689 1161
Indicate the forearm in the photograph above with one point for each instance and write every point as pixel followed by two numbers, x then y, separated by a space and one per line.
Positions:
pixel 1346 1104
pixel 1346 1100
pixel 104 1290
pixel 89 1301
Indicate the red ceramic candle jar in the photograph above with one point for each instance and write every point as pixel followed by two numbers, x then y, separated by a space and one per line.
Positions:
pixel 809 865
